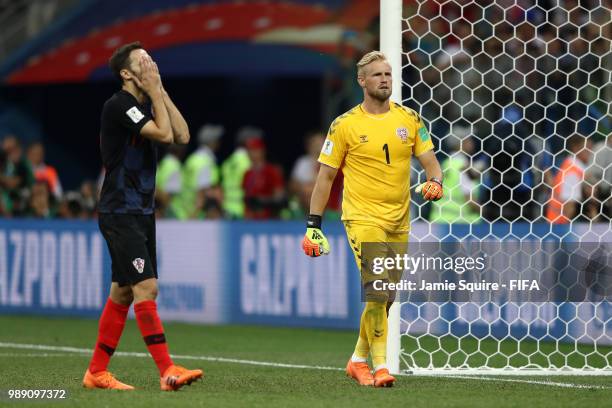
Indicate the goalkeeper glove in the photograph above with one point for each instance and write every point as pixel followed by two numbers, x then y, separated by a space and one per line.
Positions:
pixel 314 242
pixel 431 190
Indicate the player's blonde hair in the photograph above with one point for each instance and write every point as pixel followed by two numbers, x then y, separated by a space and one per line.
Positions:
pixel 369 58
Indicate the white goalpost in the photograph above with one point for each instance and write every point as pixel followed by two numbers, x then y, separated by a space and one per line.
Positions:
pixel 519 79
pixel 391 45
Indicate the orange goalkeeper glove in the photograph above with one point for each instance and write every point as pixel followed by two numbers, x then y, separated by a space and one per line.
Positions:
pixel 314 243
pixel 431 190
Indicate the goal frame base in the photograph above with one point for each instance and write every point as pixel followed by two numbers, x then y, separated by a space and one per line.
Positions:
pixel 515 372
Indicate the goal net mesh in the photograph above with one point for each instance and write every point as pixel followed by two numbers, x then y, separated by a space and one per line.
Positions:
pixel 504 87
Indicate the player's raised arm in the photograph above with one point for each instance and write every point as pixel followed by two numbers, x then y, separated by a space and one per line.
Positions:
pixel 159 128
pixel 432 188
pixel 315 243
pixel 180 129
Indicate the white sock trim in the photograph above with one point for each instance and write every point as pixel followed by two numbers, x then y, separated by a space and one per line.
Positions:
pixel 380 367
pixel 357 359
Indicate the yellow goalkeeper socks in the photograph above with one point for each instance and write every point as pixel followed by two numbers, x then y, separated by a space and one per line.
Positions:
pixel 362 348
pixel 375 315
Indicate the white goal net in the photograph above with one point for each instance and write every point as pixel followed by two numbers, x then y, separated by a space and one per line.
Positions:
pixel 516 95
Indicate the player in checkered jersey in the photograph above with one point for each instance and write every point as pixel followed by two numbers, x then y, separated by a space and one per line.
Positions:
pixel 129 136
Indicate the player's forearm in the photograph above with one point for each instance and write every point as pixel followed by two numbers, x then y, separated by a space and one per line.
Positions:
pixel 162 120
pixel 432 169
pixel 180 129
pixel 320 195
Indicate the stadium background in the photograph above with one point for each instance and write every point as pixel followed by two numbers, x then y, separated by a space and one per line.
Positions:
pixel 288 83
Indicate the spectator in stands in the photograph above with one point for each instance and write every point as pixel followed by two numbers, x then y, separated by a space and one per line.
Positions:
pixel 212 210
pixel 89 198
pixel 41 201
pixel 263 184
pixel 71 207
pixel 599 175
pixel 233 170
pixel 304 173
pixel 42 171
pixel 200 176
pixel 5 202
pixel 461 181
pixel 509 180
pixel 168 183
pixel 569 187
pixel 16 178
pixel 543 164
pixel 303 177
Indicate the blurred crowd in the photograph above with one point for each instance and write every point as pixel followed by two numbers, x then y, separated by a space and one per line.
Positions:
pixel 245 185
pixel 29 187
pixel 577 189
pixel 189 186
pixel 507 88
pixel 513 92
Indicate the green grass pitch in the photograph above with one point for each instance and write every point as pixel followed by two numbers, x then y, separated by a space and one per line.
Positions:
pixel 237 384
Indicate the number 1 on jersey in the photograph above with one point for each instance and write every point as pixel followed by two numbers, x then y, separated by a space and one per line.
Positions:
pixel 386 149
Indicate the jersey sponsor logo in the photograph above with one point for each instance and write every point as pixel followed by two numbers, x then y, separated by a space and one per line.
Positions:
pixel 139 264
pixel 328 147
pixel 402 133
pixel 134 114
pixel 363 138
pixel 423 134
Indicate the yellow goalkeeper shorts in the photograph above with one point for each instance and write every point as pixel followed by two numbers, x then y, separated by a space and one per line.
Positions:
pixel 390 245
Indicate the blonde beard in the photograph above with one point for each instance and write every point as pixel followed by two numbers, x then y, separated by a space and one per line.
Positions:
pixel 378 95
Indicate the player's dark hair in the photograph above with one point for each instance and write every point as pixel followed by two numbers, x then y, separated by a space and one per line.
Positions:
pixel 121 58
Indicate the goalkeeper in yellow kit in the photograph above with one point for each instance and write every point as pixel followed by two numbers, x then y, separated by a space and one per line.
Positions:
pixel 373 144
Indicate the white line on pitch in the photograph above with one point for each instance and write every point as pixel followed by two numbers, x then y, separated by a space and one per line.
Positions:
pixel 36 355
pixel 534 382
pixel 86 351
pixel 177 356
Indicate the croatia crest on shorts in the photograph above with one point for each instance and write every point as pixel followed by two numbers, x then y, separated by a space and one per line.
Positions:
pixel 402 133
pixel 138 264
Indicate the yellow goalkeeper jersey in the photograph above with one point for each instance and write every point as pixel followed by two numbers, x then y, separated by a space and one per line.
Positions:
pixel 374 152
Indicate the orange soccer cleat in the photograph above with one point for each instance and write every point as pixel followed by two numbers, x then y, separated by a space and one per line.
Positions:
pixel 176 376
pixel 382 378
pixel 360 372
pixel 104 379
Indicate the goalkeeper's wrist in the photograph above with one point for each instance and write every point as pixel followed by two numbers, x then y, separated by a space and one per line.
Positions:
pixel 436 180
pixel 313 221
